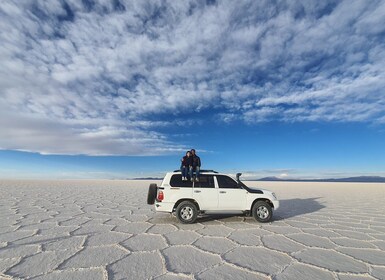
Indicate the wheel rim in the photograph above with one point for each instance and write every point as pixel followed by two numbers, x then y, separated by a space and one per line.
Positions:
pixel 262 212
pixel 186 213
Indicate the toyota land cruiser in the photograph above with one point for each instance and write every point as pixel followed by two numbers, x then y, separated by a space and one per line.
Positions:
pixel 213 193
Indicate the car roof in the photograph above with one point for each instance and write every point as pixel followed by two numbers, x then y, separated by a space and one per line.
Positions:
pixel 202 172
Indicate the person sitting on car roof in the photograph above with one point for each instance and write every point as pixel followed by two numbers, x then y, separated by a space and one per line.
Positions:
pixel 186 164
pixel 196 166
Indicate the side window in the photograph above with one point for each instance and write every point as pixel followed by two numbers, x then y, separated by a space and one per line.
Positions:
pixel 205 181
pixel 226 182
pixel 176 182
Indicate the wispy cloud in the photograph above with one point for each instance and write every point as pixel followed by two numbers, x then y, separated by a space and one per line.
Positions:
pixel 101 77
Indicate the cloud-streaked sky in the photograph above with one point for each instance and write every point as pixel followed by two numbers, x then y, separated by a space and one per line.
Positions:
pixel 153 78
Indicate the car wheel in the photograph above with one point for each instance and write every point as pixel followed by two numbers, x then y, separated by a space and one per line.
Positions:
pixel 187 212
pixel 262 211
pixel 152 190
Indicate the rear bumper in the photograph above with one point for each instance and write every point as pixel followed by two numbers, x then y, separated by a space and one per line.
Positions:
pixel 164 207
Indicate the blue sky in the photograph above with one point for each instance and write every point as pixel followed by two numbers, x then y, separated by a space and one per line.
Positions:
pixel 121 89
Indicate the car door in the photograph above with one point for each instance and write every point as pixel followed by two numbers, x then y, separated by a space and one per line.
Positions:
pixel 205 193
pixel 230 196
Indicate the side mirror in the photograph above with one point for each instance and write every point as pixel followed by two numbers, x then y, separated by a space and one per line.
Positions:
pixel 238 175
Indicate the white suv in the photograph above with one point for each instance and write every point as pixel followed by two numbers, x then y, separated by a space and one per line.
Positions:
pixel 214 192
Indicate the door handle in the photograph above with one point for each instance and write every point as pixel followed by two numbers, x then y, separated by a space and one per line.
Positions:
pixel 222 192
pixel 197 191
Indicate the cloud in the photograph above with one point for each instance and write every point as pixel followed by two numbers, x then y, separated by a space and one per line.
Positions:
pixel 102 77
pixel 54 137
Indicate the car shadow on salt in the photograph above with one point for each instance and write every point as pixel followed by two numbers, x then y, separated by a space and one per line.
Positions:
pixel 289 208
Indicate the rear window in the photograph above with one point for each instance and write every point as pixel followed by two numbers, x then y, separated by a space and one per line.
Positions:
pixel 176 182
pixel 205 181
pixel 226 182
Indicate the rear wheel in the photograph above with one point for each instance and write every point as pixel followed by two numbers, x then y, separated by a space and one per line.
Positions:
pixel 186 212
pixel 152 190
pixel 262 211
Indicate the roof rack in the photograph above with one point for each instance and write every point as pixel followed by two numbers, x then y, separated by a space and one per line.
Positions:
pixel 202 171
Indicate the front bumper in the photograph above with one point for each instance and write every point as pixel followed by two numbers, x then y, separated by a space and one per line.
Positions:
pixel 276 204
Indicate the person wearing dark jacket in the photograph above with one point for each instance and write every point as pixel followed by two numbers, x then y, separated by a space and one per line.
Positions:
pixel 196 166
pixel 186 164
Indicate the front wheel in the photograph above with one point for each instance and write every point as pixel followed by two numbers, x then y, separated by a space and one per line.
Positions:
pixel 187 212
pixel 262 211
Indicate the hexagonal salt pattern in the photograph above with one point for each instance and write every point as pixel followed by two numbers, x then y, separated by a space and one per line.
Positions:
pixel 219 245
pixel 189 260
pixel 138 265
pixel 258 259
pixel 105 230
pixel 145 242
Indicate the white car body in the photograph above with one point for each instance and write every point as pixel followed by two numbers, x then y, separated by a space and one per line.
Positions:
pixel 213 195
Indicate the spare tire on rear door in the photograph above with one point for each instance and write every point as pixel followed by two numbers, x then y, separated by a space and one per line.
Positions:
pixel 152 190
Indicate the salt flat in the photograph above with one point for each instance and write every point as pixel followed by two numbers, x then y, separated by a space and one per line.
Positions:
pixel 104 229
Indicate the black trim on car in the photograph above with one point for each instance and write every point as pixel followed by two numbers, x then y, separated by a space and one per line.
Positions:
pixel 251 190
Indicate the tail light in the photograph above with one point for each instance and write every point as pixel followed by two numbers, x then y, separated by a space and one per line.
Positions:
pixel 160 196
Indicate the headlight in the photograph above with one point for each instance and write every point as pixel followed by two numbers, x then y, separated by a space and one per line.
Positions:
pixel 273 194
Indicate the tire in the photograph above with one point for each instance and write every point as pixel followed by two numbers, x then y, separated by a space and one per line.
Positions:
pixel 262 211
pixel 187 212
pixel 152 191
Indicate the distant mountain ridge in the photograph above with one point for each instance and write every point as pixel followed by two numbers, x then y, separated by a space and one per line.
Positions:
pixel 358 179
